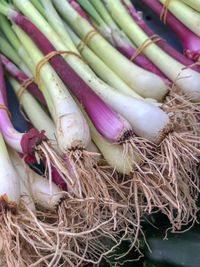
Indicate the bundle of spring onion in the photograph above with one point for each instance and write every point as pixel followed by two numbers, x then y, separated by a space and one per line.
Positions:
pixel 184 21
pixel 140 110
pixel 137 17
pixel 178 106
pixel 21 190
pixel 73 226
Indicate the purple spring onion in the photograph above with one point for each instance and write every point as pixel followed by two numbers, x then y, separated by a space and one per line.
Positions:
pixel 110 124
pixel 189 40
pixel 116 37
pixel 137 17
pixel 22 142
pixel 21 77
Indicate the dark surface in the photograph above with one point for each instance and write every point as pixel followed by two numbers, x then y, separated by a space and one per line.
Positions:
pixel 17 118
pixel 155 23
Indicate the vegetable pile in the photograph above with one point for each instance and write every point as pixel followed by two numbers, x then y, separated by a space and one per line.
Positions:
pixel 113 112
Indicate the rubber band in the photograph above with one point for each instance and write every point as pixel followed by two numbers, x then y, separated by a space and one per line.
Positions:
pixel 192 65
pixel 23 88
pixel 19 94
pixel 150 40
pixel 2 106
pixel 46 58
pixel 163 14
pixel 86 39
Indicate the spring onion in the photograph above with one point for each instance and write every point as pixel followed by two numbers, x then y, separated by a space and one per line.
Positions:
pixel 36 114
pixel 186 79
pixel 131 74
pixel 137 17
pixel 101 69
pixel 22 77
pixel 10 185
pixel 195 4
pixel 80 11
pixel 113 153
pixel 190 41
pixel 120 125
pixel 56 23
pixel 22 55
pixel 118 38
pixel 185 14
pixel 42 193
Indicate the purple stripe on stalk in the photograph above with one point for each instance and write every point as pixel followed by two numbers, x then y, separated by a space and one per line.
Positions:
pixel 56 178
pixel 109 124
pixel 11 136
pixel 137 17
pixel 22 142
pixel 80 11
pixel 2 90
pixel 21 77
pixel 189 40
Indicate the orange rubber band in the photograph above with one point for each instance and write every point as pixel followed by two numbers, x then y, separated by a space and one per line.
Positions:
pixel 2 106
pixel 86 39
pixel 19 94
pixel 163 14
pixel 46 58
pixel 192 65
pixel 151 40
pixel 23 88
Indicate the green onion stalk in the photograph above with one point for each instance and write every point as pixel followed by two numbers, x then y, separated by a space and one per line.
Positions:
pixel 15 51
pixel 130 73
pixel 67 37
pixel 101 69
pixel 188 16
pixel 190 41
pixel 186 79
pixel 117 37
pixel 195 4
pixel 15 43
pixel 112 56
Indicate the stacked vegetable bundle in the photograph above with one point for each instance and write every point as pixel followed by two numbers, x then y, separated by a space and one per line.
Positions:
pixel 142 117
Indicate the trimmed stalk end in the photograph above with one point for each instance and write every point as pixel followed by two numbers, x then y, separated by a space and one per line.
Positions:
pixel 126 136
pixel 194 55
pixel 126 131
pixel 30 140
pixel 162 134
